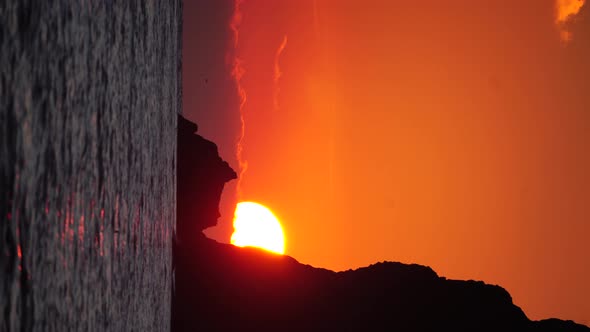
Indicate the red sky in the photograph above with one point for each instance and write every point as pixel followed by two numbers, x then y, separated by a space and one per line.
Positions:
pixel 452 134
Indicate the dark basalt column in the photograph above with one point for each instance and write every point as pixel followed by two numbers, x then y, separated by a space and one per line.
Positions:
pixel 89 97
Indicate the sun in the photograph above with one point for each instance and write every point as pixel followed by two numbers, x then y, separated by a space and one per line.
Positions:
pixel 256 226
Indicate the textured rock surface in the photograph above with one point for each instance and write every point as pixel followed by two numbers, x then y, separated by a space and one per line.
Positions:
pixel 89 94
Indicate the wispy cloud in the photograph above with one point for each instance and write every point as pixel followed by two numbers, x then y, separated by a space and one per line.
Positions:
pixel 565 11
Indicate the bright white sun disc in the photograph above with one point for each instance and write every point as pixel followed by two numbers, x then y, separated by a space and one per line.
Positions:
pixel 256 226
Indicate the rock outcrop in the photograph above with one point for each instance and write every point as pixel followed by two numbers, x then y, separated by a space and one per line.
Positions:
pixel 220 287
pixel 202 174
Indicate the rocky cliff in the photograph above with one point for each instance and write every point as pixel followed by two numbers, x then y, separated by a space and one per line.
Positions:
pixel 220 287
pixel 89 94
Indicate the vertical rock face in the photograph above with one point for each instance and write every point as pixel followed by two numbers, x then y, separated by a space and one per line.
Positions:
pixel 89 97
pixel 202 175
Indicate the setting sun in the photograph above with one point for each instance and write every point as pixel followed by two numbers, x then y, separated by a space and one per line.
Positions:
pixel 256 226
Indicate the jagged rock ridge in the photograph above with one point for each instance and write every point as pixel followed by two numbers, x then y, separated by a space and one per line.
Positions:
pixel 220 287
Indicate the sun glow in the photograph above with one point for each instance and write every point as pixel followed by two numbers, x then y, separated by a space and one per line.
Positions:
pixel 256 226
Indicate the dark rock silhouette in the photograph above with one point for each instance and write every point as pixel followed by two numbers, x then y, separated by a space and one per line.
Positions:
pixel 220 287
pixel 201 177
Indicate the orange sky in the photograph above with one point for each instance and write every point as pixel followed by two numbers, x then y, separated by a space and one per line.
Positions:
pixel 452 134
